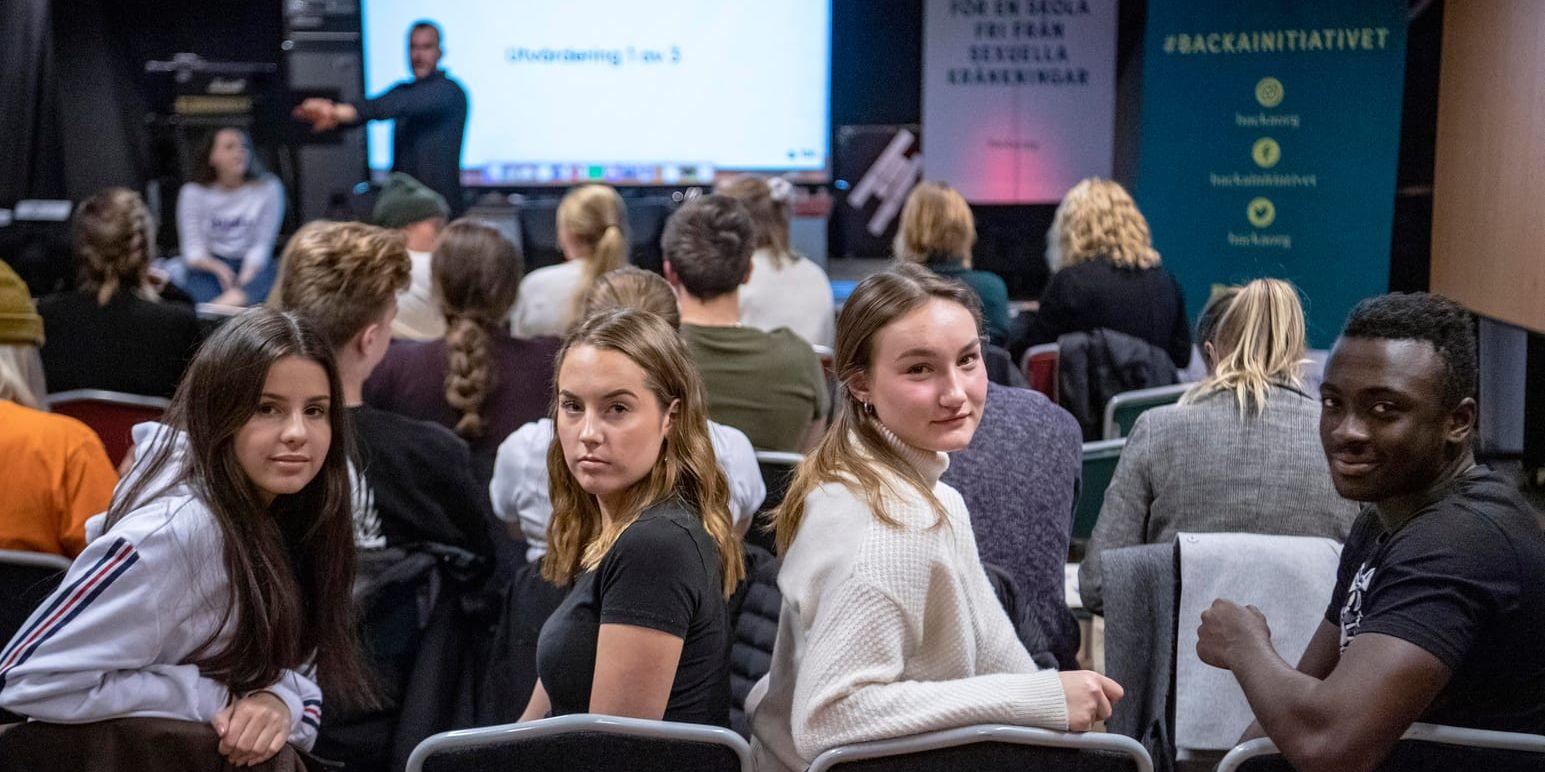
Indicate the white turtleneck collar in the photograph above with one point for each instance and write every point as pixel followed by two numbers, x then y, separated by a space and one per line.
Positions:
pixel 928 463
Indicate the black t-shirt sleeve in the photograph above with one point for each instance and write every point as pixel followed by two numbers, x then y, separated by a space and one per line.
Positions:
pixel 1364 529
pixel 1443 581
pixel 652 577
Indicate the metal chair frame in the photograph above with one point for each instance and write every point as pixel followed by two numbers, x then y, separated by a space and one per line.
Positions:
pixel 1433 733
pixel 985 733
pixel 462 739
pixel 1157 396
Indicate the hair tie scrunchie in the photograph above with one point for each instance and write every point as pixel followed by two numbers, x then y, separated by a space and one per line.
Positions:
pixel 780 189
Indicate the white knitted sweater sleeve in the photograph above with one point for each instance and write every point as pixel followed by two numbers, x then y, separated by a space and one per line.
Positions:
pixel 849 688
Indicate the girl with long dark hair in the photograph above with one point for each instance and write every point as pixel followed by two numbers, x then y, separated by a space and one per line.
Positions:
pixel 216 588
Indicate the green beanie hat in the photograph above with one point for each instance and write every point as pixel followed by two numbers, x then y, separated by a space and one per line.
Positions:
pixel 404 201
pixel 19 321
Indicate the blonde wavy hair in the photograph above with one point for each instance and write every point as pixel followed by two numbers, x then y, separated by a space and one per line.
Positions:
pixel 1098 219
pixel 341 276
pixel 578 537
pixel 1259 342
pixel 476 274
pixel 595 216
pixel 116 240
pixel 936 225
pixel 854 451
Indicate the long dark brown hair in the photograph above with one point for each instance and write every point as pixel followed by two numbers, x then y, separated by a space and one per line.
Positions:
pixel 283 612
pixel 476 271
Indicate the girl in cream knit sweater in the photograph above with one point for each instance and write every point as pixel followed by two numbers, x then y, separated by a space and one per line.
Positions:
pixel 889 626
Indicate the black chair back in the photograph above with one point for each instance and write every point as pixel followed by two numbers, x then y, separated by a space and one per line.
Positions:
pixel 583 751
pixel 990 756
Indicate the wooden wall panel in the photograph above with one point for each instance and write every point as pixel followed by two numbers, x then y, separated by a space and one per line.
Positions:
pixel 1488 228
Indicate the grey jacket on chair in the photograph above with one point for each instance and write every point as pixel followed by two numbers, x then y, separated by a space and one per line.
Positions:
pixel 1140 645
pixel 1200 468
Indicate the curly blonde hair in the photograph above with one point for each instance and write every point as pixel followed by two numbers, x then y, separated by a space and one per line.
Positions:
pixel 341 276
pixel 116 240
pixel 1098 219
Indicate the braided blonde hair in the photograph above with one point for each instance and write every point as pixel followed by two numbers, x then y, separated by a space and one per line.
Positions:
pixel 116 240
pixel 476 273
pixel 1098 219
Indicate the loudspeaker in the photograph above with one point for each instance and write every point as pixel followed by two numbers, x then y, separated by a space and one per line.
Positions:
pixel 323 58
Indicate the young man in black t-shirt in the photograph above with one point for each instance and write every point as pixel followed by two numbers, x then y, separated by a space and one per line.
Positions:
pixel 1440 597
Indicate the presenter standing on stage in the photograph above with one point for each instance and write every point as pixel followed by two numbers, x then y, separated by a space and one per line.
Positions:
pixel 431 116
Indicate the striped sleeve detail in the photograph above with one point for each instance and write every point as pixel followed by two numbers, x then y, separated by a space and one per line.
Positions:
pixel 68 604
pixel 311 713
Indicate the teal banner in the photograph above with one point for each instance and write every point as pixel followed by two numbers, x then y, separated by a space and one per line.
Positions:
pixel 1270 135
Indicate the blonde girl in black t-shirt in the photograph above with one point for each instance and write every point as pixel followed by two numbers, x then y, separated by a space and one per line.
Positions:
pixel 640 527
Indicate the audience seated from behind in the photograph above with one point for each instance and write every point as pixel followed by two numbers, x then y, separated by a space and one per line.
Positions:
pixel 415 482
pixel 889 624
pixel 220 576
pixel 1440 596
pixel 1241 451
pixel 478 381
pixel 767 384
pixel 520 484
pixel 1019 479
pixel 1107 274
pixel 937 230
pixel 785 288
pixel 56 471
pixel 116 332
pixel 593 235
pixel 641 527
pixel 406 205
pixel 228 217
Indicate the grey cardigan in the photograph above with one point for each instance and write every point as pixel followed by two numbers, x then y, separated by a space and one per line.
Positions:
pixel 1199 468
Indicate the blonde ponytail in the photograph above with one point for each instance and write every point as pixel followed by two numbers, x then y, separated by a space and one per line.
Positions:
pixel 595 216
pixel 1259 343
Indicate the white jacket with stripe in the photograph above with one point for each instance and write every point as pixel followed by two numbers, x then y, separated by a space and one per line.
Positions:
pixel 116 639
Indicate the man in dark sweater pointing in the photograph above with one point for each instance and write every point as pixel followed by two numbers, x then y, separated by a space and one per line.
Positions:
pixel 431 116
